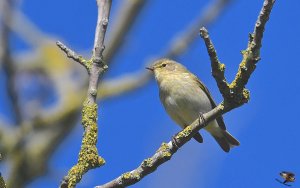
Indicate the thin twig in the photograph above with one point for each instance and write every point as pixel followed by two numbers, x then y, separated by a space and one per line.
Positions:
pixel 72 55
pixel 235 92
pixel 218 68
pixel 165 152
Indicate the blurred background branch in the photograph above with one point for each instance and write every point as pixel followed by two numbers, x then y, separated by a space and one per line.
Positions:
pixel 126 16
pixel 7 60
pixel 22 143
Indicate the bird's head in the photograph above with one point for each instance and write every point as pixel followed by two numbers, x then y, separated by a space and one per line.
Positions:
pixel 164 68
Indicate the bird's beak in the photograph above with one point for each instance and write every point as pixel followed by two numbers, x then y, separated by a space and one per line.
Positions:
pixel 150 68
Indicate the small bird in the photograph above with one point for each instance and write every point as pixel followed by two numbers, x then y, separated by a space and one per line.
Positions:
pixel 185 97
pixel 287 176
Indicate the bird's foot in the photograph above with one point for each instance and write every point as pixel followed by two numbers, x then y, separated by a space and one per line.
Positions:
pixel 174 142
pixel 202 119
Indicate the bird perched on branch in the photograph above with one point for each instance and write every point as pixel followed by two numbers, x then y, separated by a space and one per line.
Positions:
pixel 184 97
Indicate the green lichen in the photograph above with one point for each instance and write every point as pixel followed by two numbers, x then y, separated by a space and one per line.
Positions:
pixel 126 175
pixel 184 133
pixel 130 175
pixel 101 62
pixel 88 155
pixel 136 176
pixel 222 67
pixel 147 162
pixel 165 149
pixel 88 63
pixel 246 95
pixel 2 182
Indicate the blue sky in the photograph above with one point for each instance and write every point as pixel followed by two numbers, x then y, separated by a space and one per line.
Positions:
pixel 133 126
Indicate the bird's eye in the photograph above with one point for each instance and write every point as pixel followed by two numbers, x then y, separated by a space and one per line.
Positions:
pixel 164 65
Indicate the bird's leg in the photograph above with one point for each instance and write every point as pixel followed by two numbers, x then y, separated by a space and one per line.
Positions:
pixel 202 119
pixel 174 142
pixel 64 182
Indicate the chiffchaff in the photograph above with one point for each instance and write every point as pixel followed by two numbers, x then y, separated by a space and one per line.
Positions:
pixel 184 97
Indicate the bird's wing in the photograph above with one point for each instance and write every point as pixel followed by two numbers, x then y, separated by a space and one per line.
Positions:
pixel 212 102
pixel 287 173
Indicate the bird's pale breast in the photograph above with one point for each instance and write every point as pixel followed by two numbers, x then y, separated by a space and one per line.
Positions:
pixel 183 99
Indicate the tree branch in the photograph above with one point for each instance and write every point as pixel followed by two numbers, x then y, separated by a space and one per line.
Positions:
pixel 218 69
pixel 56 125
pixel 2 182
pixel 88 155
pixel 73 55
pixel 165 152
pixel 21 25
pixel 7 61
pixel 235 94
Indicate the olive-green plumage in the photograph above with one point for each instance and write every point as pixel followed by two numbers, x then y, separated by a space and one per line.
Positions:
pixel 184 97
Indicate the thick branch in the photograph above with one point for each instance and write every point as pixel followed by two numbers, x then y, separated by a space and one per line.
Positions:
pixel 166 150
pixel 88 155
pixel 98 66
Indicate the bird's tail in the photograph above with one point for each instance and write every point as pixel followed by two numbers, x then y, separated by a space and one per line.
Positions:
pixel 225 139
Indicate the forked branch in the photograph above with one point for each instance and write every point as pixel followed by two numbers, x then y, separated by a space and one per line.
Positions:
pixel 88 155
pixel 234 95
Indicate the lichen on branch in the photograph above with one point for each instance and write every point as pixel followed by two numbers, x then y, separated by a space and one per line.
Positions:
pixel 234 95
pixel 88 155
pixel 2 182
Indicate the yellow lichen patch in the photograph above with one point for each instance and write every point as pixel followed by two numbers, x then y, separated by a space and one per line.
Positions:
pixel 75 175
pixel 126 175
pixel 136 175
pixel 164 148
pixel 88 63
pixel 130 175
pixel 89 114
pixel 147 162
pixel 246 94
pixel 184 133
pixel 2 182
pixel 222 67
pixel 88 155
pixel 101 161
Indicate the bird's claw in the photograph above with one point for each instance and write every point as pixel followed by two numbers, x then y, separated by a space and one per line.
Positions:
pixel 174 142
pixel 202 119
